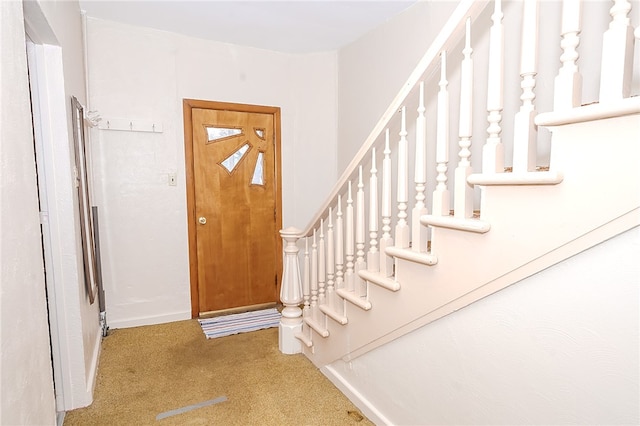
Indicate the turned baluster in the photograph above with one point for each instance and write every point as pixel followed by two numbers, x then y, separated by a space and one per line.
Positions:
pixel 418 231
pixel 441 193
pixel 386 261
pixel 402 228
pixel 493 150
pixel 349 278
pixel 361 285
pixel 373 256
pixel 617 54
pixel 525 132
pixel 568 82
pixel 314 277
pixel 306 294
pixel 321 266
pixel 330 261
pixel 339 255
pixel 463 192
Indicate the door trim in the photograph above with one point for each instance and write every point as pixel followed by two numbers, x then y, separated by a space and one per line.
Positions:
pixel 188 106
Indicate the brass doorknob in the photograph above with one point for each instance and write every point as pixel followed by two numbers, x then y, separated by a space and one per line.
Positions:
pixel 202 220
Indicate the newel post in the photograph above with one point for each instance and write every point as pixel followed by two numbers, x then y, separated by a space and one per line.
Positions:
pixel 290 294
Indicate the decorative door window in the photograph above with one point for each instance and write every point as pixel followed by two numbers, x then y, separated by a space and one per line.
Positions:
pixel 234 159
pixel 258 175
pixel 216 134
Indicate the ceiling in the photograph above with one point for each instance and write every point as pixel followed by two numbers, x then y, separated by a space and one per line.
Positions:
pixel 293 26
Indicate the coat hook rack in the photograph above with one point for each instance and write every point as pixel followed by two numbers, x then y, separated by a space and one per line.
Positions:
pixel 129 125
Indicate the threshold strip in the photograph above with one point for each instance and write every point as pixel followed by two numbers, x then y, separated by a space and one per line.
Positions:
pixel 190 407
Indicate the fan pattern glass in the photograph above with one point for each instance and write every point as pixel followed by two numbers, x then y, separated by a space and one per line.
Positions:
pixel 216 134
pixel 233 160
pixel 258 176
pixel 219 133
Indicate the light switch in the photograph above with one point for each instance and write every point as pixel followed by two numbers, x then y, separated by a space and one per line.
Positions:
pixel 173 179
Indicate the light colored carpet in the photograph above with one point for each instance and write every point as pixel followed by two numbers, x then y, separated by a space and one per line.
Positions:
pixel 147 371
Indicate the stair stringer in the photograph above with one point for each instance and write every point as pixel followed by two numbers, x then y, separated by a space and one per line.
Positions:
pixel 532 228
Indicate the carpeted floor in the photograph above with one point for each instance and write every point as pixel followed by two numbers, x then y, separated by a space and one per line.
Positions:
pixel 147 371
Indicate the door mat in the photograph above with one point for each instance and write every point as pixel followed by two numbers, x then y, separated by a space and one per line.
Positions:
pixel 239 323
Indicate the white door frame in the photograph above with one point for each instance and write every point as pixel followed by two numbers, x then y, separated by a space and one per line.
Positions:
pixel 43 135
pixel 74 375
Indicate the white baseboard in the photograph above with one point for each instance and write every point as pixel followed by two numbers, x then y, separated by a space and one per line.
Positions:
pixel 157 319
pixel 355 396
pixel 93 369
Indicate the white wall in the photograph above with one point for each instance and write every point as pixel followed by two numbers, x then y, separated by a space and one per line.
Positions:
pixel 26 380
pixel 560 347
pixel 24 309
pixel 139 73
pixel 372 70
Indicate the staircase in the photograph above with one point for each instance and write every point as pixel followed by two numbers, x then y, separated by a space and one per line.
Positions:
pixel 411 233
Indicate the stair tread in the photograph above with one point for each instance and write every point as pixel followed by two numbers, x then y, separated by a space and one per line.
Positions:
pixel 339 318
pixel 354 299
pixel 374 277
pixel 517 178
pixel 463 224
pixel 304 339
pixel 317 327
pixel 413 256
pixel 594 111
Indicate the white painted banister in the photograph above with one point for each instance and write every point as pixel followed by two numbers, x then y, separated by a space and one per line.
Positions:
pixel 419 232
pixel 617 54
pixel 321 267
pixel 525 133
pixel 330 261
pixel 386 262
pixel 402 196
pixel 349 277
pixel 335 307
pixel 373 256
pixel 316 320
pixel 493 150
pixel 568 83
pixel 338 307
pixel 345 266
pixel 306 287
pixel 290 294
pixel 441 193
pixel 360 284
pixel 314 276
pixel 451 33
pixel 355 290
pixel 463 192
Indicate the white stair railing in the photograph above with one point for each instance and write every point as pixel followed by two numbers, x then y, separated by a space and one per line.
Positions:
pixel 322 266
pixel 493 150
pixel 617 54
pixel 568 83
pixel 361 265
pixel 341 263
pixel 525 132
pixel 418 232
pixel 463 192
pixel 386 261
pixel 441 193
pixel 373 256
pixel 402 193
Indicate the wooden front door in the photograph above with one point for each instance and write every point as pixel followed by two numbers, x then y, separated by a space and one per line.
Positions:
pixel 234 208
